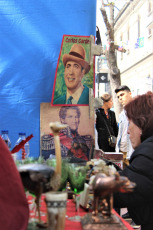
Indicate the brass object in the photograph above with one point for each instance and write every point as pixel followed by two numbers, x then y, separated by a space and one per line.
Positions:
pixel 96 223
pixel 56 127
pixel 103 187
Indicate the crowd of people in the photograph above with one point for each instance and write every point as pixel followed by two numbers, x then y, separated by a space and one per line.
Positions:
pixel 106 124
pixel 139 203
pixel 135 140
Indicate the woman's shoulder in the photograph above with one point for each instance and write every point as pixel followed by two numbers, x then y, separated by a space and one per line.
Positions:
pixel 111 111
pixel 141 160
pixel 99 111
pixel 144 149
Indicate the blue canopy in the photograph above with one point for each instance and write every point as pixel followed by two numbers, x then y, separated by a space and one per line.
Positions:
pixel 31 33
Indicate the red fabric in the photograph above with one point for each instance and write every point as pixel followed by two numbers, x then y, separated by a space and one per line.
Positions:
pixel 69 225
pixel 124 222
pixel 70 211
pixel 14 211
pixel 78 153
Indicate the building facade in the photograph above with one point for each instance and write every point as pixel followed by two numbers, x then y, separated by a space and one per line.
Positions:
pixel 133 30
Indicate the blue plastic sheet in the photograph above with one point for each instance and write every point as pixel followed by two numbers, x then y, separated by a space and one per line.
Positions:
pixel 31 33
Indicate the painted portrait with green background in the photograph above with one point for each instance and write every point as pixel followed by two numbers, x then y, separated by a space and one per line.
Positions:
pixel 59 82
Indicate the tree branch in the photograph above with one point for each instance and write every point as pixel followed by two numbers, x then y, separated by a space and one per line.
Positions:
pixel 118 48
pixel 108 25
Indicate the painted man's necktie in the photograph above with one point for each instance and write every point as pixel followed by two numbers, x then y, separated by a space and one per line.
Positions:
pixel 69 100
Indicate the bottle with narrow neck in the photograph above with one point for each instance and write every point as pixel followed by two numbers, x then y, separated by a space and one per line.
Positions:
pixel 5 137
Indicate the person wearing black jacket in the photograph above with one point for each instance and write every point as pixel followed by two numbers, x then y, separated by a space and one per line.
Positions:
pixel 140 170
pixel 105 119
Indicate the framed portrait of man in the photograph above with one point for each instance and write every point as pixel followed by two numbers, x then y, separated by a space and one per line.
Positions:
pixel 77 140
pixel 74 75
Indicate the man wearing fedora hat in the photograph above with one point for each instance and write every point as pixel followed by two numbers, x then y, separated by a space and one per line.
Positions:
pixel 75 68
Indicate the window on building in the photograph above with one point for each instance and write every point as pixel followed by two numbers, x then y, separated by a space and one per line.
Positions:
pixel 138 26
pixel 138 92
pixel 98 64
pixel 121 46
pixel 149 14
pixel 128 41
pixel 149 32
pixel 149 83
pixel 149 7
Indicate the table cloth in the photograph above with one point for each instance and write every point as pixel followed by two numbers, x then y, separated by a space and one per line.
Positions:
pixel 70 211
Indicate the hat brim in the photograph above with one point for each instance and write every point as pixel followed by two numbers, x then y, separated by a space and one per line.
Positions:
pixel 83 63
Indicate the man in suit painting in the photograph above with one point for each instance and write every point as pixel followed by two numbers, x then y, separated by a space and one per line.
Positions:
pixel 72 143
pixel 75 68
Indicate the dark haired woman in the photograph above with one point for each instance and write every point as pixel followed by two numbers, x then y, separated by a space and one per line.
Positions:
pixel 140 203
pixel 106 123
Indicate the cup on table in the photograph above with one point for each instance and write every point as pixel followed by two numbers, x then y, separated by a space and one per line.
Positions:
pixel 56 209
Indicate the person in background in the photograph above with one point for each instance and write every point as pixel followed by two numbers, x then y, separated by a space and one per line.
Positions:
pixel 105 116
pixel 123 143
pixel 140 170
pixel 14 210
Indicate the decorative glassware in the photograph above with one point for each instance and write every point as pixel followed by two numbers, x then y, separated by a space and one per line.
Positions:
pixel 77 177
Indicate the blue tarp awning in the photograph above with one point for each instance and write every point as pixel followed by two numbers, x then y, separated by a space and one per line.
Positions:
pixel 31 33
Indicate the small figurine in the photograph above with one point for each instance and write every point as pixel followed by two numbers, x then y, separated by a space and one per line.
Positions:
pixel 103 188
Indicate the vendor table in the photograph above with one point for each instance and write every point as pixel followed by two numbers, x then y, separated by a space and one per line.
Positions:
pixel 69 225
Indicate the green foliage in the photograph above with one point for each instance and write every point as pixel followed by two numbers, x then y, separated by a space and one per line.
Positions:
pixel 77 176
pixel 49 162
pixel 30 160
